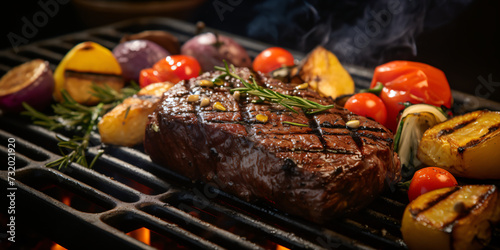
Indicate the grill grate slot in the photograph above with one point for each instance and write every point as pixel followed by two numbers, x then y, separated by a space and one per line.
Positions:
pixel 44 139
pixel 131 176
pixel 205 212
pixel 224 217
pixel 66 190
pixel 104 184
pixel 60 48
pixel 137 158
pixel 41 53
pixel 113 37
pixel 199 227
pixel 172 236
pixel 18 161
pixel 26 149
pixel 11 61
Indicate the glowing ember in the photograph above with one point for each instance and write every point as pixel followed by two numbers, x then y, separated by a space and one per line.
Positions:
pixel 142 234
pixel 57 247
pixel 280 247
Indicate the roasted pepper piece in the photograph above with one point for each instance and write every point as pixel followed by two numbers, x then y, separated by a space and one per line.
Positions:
pixel 85 64
pixel 414 82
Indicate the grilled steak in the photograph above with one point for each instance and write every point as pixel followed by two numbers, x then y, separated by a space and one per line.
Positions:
pixel 317 171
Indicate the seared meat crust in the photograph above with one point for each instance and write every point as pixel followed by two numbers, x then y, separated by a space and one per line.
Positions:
pixel 318 172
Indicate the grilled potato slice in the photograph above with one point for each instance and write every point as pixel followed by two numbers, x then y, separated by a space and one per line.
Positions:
pixel 465 145
pixel 325 74
pixel 125 125
pixel 452 218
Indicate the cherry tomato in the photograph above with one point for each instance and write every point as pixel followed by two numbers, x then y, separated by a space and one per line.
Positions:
pixel 148 76
pixel 369 105
pixel 414 82
pixel 428 179
pixel 172 69
pixel 271 59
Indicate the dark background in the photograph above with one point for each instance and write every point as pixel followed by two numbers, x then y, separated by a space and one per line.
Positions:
pixel 460 37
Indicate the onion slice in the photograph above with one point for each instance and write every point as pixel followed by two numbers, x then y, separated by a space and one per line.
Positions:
pixel 31 82
pixel 415 120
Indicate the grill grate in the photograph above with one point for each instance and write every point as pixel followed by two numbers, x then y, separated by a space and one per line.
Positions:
pixel 126 191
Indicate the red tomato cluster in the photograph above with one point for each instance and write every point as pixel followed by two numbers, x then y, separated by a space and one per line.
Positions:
pixel 170 69
pixel 182 67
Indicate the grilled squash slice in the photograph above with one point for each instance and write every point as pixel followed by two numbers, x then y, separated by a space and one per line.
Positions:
pixel 452 218
pixel 465 145
pixel 125 125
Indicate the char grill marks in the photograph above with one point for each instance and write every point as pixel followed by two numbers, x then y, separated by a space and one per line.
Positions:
pixel 325 132
pixel 318 171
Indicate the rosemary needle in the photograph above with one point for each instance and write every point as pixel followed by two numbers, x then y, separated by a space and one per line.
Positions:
pixel 288 101
pixel 295 124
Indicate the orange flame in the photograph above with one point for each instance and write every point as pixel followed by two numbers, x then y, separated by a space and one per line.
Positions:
pixel 142 234
pixel 280 247
pixel 66 200
pixel 57 247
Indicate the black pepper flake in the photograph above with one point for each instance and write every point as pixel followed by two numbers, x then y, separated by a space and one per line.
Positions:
pixel 461 150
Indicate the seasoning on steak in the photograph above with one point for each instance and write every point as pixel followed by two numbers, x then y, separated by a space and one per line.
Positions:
pixel 318 172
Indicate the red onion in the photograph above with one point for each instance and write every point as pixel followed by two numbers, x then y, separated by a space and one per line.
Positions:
pixel 31 82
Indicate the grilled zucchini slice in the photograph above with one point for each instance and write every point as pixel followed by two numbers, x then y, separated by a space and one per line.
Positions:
pixel 466 145
pixel 452 218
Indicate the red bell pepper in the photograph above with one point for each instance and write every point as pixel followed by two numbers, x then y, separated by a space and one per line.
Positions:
pixel 414 82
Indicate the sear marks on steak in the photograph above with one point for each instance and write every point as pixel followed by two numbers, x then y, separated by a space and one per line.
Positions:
pixel 317 172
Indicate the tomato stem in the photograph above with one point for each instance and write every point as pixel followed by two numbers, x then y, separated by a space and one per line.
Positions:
pixel 375 90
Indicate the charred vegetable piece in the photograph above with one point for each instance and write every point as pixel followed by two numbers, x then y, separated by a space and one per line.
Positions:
pixel 414 82
pixel 86 64
pixel 125 124
pixel 324 73
pixel 136 55
pixel 166 40
pixel 466 145
pixel 415 120
pixel 31 82
pixel 211 50
pixel 452 218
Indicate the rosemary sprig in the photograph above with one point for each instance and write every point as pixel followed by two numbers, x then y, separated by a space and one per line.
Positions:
pixel 288 101
pixel 82 120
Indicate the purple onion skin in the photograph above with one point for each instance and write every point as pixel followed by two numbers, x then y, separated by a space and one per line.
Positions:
pixel 38 94
pixel 204 48
pixel 136 55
